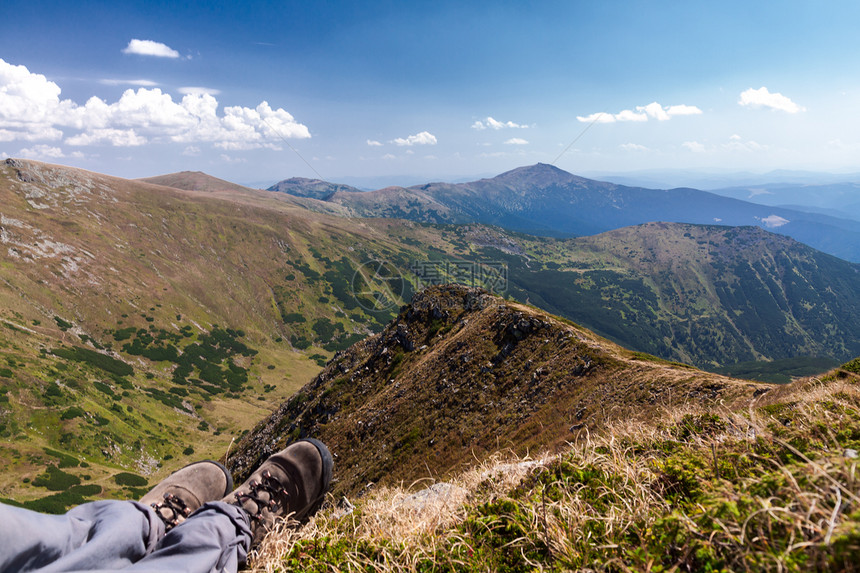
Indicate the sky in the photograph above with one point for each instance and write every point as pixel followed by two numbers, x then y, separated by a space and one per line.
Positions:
pixel 256 91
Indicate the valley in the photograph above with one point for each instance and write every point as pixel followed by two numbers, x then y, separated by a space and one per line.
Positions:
pixel 142 321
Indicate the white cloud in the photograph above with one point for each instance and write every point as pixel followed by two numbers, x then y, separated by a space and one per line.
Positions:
pixel 228 159
pixel 599 117
pixel 653 110
pixel 774 221
pixel 423 138
pixel 736 143
pixel 374 143
pixel 389 156
pixel 31 110
pixel 41 151
pixel 516 141
pixel 763 98
pixel 140 83
pixel 693 146
pixel 633 147
pixel 490 123
pixel 28 105
pixel 191 151
pixel 150 48
pixel 683 109
pixel 114 137
pixel 197 90
pixel 628 115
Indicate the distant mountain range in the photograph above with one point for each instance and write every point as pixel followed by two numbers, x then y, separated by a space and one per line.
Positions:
pixel 835 199
pixel 714 180
pixel 544 200
pixel 709 295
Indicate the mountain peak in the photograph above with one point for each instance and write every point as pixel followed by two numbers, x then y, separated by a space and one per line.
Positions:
pixel 537 174
pixel 312 188
pixel 193 181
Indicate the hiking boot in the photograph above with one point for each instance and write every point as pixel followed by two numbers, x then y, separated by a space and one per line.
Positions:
pixel 183 492
pixel 290 484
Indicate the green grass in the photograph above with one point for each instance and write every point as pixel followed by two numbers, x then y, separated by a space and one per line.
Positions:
pixel 757 490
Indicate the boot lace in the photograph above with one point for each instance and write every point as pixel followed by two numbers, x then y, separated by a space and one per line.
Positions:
pixel 274 491
pixel 173 504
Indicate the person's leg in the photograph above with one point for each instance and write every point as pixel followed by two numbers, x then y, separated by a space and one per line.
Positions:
pixel 108 534
pixel 215 539
pixel 104 534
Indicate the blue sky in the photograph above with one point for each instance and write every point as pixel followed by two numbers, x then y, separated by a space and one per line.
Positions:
pixel 259 91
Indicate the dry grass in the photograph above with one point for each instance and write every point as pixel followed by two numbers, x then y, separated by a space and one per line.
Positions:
pixel 769 488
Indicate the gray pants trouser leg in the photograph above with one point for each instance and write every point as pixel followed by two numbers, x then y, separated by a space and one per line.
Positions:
pixel 123 536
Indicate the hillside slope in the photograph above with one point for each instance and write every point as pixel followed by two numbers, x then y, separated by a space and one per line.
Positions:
pixel 462 374
pixel 139 321
pixel 708 295
pixel 705 295
pixel 141 324
pixel 768 487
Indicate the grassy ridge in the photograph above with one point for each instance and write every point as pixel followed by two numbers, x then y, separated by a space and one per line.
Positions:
pixel 768 489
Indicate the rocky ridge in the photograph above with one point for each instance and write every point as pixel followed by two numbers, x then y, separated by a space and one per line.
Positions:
pixel 461 374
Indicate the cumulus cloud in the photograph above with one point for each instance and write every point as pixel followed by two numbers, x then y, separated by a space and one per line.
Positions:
pixel 516 141
pixel 29 104
pixel 150 48
pixel 693 146
pixel 774 221
pixel 41 151
pixel 633 147
pixel 374 143
pixel 490 123
pixel 763 98
pixel 423 138
pixel 683 109
pixel 110 136
pixel 31 110
pixel 642 113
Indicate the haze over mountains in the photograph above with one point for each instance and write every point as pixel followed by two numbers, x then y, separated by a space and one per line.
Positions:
pixel 544 200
